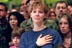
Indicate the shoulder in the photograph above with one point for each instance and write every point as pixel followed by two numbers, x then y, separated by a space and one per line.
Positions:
pixel 26 21
pixel 52 31
pixel 26 33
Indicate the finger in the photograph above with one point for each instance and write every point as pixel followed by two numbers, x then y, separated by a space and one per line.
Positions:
pixel 47 35
pixel 40 36
pixel 49 40
pixel 50 37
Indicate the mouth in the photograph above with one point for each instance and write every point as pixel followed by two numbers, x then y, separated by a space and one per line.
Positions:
pixel 14 25
pixel 63 30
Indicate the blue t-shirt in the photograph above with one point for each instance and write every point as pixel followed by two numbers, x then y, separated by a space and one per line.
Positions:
pixel 28 39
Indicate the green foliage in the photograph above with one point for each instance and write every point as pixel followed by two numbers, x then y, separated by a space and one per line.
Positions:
pixel 3 0
pixel 16 1
pixel 50 3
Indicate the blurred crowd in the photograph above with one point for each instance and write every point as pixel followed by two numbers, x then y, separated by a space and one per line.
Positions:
pixel 34 25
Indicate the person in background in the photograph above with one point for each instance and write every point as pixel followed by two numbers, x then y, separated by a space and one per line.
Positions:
pixel 15 37
pixel 14 8
pixel 39 36
pixel 23 9
pixel 51 19
pixel 70 9
pixel 28 24
pixel 65 29
pixel 25 15
pixel 52 15
pixel 3 25
pixel 60 8
pixel 14 20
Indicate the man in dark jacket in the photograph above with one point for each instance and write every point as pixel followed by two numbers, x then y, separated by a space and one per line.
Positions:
pixel 3 25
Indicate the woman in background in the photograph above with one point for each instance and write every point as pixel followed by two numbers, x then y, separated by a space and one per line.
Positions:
pixel 14 20
pixel 65 26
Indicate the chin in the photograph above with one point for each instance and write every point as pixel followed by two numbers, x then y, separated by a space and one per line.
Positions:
pixel 37 21
pixel 64 33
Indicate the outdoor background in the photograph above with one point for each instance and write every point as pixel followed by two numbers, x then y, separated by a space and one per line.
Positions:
pixel 49 3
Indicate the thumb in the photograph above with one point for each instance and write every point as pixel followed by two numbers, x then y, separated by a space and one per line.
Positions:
pixel 40 36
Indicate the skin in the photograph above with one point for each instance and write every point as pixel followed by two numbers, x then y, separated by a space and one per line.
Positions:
pixel 16 41
pixel 2 11
pixel 64 26
pixel 65 30
pixel 37 16
pixel 52 16
pixel 60 9
pixel 70 10
pixel 13 21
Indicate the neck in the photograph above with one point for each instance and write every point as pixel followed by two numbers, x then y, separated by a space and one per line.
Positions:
pixel 67 40
pixel 68 35
pixel 38 26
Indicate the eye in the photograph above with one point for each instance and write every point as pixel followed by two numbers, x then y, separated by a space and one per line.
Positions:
pixel 40 11
pixel 60 23
pixel 10 19
pixel 65 23
pixel 34 11
pixel 13 19
pixel 63 7
pixel 58 7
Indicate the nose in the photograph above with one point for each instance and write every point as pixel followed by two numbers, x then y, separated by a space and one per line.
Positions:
pixel 15 39
pixel 61 10
pixel 12 21
pixel 37 13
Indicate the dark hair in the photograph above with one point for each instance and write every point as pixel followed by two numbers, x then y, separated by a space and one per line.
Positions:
pixel 69 19
pixel 61 2
pixel 27 1
pixel 3 4
pixel 19 17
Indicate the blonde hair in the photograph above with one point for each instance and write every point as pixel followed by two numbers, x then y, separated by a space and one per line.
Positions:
pixel 38 5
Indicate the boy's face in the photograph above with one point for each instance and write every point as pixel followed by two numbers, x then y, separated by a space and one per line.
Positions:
pixel 15 41
pixel 37 14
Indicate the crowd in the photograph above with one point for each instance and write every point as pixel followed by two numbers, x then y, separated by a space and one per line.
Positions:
pixel 34 25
